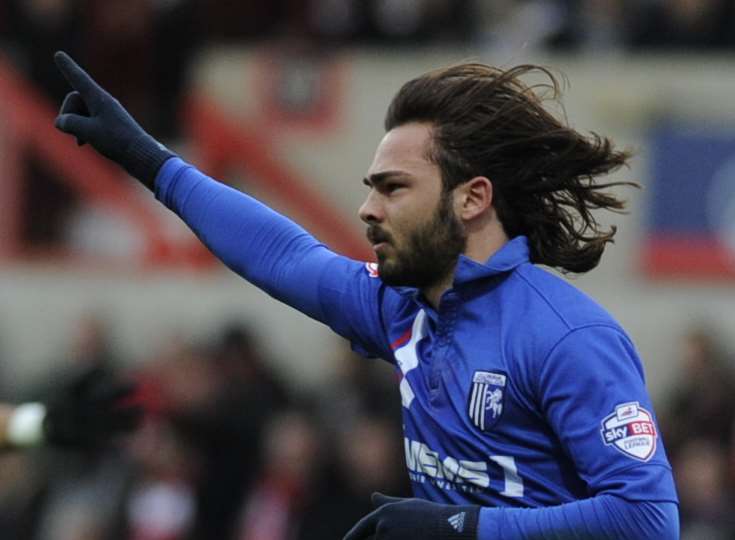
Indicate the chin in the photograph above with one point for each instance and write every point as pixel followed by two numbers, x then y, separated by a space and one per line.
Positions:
pixel 387 273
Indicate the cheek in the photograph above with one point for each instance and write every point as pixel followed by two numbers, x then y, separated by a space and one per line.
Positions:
pixel 405 222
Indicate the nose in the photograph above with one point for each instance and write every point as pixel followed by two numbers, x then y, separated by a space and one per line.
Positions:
pixel 370 211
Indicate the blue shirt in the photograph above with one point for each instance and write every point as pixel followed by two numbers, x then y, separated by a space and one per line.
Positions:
pixel 519 391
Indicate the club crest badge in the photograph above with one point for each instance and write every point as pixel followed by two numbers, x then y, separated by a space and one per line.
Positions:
pixel 372 269
pixel 487 398
pixel 630 430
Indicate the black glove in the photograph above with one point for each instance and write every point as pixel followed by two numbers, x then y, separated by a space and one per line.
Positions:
pixel 94 116
pixel 90 409
pixel 415 519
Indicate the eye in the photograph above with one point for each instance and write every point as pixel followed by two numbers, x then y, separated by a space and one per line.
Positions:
pixel 390 187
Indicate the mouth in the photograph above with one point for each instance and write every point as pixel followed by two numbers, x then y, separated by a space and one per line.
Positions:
pixel 379 246
pixel 378 239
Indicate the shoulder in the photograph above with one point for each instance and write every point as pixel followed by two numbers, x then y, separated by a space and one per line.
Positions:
pixel 556 300
pixel 545 312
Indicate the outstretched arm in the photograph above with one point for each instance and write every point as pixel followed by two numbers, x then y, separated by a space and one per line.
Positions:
pixel 263 246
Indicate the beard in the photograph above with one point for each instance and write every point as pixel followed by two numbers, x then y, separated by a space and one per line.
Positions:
pixel 431 250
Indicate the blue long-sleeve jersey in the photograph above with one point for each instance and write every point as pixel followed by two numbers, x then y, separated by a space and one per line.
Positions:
pixel 519 391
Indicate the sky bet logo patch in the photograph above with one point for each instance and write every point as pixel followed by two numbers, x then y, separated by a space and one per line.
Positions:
pixel 630 429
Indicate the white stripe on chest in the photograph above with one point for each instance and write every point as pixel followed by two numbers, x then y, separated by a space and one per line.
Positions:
pixel 407 357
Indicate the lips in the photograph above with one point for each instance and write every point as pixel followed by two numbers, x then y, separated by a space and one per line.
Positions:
pixel 377 237
pixel 379 246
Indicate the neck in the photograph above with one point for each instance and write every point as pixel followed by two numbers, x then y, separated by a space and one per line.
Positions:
pixel 481 245
pixel 433 293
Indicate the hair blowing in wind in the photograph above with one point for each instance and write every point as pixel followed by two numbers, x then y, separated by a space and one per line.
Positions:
pixel 488 122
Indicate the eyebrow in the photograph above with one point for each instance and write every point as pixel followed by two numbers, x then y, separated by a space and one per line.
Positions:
pixel 381 177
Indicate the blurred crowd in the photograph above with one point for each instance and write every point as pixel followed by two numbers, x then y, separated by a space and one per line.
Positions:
pixel 231 449
pixel 142 50
pixel 228 449
pixel 697 421
pixel 570 24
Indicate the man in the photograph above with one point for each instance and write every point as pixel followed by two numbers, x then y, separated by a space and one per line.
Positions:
pixel 89 409
pixel 524 404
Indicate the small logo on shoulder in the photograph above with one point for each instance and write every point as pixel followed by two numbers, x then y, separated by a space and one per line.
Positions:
pixel 630 430
pixel 372 269
pixel 487 397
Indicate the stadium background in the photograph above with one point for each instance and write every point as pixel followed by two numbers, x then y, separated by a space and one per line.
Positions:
pixel 254 408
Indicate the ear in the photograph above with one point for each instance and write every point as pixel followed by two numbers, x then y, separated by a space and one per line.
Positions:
pixel 473 198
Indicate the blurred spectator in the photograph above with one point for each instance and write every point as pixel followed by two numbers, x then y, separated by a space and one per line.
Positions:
pixel 688 25
pixel 219 399
pixel 90 344
pixel 242 22
pixel 336 21
pixel 416 22
pixel 76 480
pixel 513 27
pixel 161 502
pixel 119 36
pixel 367 458
pixel 77 483
pixel 177 36
pixel 289 481
pixel 358 388
pixel 37 28
pixel 229 434
pixel 705 504
pixel 370 456
pixel 701 404
pixel 21 491
pixel 594 26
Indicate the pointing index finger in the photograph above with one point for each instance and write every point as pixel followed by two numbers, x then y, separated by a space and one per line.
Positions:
pixel 79 79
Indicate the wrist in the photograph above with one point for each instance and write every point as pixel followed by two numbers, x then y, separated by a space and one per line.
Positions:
pixel 25 426
pixel 145 157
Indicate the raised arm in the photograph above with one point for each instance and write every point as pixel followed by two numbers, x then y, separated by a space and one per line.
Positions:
pixel 263 246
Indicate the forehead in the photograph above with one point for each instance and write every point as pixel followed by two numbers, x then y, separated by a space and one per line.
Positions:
pixel 404 148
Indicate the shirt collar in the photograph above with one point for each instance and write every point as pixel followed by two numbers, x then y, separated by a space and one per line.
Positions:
pixel 512 254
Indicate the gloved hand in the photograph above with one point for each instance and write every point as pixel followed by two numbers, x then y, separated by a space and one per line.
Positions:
pixel 415 519
pixel 92 115
pixel 90 409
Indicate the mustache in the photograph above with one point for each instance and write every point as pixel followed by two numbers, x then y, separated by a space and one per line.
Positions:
pixel 375 235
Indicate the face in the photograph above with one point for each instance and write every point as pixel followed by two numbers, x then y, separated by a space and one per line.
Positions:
pixel 412 225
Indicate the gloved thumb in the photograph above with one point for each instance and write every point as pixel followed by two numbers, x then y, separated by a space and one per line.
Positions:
pixel 80 126
pixel 378 499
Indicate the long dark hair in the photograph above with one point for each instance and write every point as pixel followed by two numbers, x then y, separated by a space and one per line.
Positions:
pixel 487 122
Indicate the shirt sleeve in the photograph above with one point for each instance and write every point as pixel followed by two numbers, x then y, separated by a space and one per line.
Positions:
pixel 606 517
pixel 277 255
pixel 591 390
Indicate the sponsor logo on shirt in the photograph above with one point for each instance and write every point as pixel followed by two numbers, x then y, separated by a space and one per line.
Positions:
pixel 487 396
pixel 630 430
pixel 425 465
